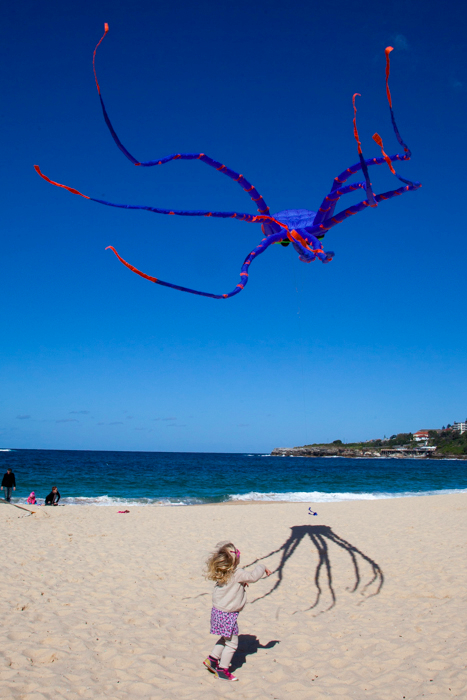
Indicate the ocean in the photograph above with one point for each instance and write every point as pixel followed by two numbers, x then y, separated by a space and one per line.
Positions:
pixel 182 478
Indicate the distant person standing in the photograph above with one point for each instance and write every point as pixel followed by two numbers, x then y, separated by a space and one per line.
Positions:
pixel 53 498
pixel 8 483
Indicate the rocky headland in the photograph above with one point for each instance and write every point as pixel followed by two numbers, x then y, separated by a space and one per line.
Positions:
pixel 353 452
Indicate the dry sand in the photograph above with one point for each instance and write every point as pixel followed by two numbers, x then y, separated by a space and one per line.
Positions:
pixel 371 601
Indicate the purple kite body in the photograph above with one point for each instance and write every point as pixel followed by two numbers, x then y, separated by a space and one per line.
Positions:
pixel 301 227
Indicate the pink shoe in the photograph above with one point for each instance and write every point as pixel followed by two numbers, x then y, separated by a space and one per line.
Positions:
pixel 211 664
pixel 225 675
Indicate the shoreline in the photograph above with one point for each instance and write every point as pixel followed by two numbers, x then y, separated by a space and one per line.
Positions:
pixel 364 497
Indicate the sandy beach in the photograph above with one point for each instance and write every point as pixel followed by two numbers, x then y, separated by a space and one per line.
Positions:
pixel 368 600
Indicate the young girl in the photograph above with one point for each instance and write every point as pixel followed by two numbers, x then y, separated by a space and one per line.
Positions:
pixel 228 599
pixel 32 498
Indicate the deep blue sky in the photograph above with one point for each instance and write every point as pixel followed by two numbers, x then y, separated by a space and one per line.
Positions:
pixel 94 357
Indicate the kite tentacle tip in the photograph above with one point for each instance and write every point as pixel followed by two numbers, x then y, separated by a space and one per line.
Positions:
pixel 388 49
pixel 106 29
pixel 377 139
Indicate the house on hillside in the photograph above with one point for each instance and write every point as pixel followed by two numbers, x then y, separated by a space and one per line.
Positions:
pixel 461 427
pixel 421 435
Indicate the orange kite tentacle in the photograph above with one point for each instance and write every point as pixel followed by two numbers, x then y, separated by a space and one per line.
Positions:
pixel 369 192
pixel 387 51
pixel 106 29
pixel 57 184
pixel 377 138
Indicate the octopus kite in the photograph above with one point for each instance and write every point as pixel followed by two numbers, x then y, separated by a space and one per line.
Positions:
pixel 301 227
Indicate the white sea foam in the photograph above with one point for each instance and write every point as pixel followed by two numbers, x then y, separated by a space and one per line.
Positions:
pixel 120 502
pixel 292 496
pixel 323 497
pixel 114 501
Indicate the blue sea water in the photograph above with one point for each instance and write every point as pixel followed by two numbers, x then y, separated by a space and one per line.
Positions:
pixel 171 478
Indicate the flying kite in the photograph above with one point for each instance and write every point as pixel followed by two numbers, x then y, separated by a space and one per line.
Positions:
pixel 301 227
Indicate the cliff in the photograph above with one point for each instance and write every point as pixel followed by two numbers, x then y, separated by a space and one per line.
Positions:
pixel 352 452
pixel 322 451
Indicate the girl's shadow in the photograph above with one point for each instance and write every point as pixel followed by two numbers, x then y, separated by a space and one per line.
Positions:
pixel 248 644
pixel 321 536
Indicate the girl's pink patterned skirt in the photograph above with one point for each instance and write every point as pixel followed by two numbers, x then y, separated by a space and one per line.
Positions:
pixel 224 623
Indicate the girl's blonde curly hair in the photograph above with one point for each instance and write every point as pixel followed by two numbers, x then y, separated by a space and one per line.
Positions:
pixel 222 563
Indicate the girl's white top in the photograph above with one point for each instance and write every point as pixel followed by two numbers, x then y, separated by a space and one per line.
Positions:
pixel 231 597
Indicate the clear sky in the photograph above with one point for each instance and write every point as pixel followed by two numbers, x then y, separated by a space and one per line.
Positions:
pixel 94 357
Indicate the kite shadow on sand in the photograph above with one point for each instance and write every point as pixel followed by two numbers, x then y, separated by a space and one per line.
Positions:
pixel 249 644
pixel 322 536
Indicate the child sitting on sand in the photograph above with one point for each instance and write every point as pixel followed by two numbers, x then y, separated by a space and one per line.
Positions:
pixel 228 599
pixel 32 499
pixel 53 498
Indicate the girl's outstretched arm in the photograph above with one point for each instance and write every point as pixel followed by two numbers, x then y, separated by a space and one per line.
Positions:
pixel 266 571
pixel 243 576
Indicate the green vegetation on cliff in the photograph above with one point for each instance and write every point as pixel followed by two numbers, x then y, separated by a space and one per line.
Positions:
pixel 402 439
pixel 449 442
pixel 446 441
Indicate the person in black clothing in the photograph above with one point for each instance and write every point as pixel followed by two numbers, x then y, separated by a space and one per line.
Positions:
pixel 9 483
pixel 53 498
